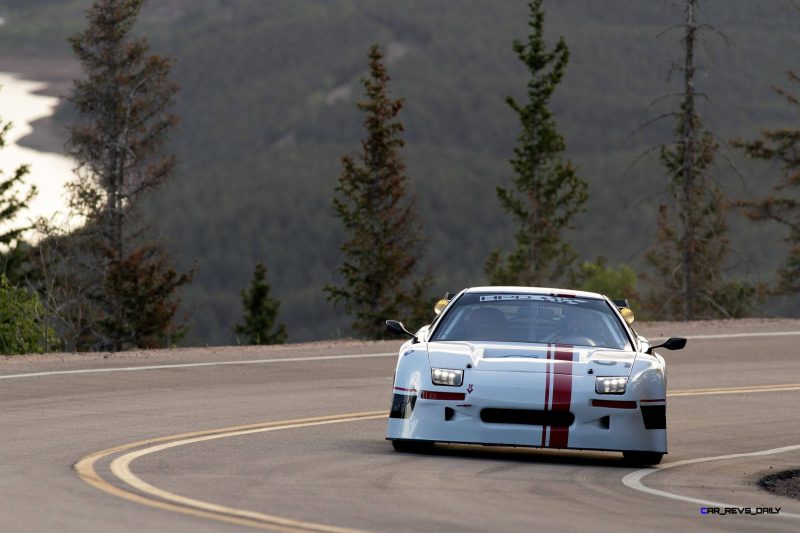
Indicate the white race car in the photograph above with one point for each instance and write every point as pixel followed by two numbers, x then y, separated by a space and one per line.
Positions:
pixel 523 366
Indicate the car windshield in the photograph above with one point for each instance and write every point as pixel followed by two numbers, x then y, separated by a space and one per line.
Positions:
pixel 534 318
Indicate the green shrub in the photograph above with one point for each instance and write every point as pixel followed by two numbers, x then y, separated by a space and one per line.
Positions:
pixel 23 327
pixel 614 282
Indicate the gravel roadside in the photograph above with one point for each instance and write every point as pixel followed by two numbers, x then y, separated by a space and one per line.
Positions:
pixel 54 361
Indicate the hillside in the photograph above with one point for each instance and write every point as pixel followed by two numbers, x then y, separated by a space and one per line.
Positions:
pixel 268 108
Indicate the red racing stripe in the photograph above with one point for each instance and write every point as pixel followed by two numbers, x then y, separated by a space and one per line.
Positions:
pixel 562 393
pixel 546 392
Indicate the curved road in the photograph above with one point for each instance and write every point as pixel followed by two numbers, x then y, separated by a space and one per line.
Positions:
pixel 291 439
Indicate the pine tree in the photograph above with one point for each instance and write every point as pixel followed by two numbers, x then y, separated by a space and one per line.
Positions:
pixel 15 255
pixel 384 245
pixel 118 142
pixel 781 146
pixel 260 312
pixel 23 324
pixel 691 240
pixel 547 192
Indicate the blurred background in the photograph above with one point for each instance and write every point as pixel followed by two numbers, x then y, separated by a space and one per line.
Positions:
pixel 267 107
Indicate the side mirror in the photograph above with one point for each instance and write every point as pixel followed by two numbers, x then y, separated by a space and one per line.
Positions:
pixel 399 329
pixel 673 343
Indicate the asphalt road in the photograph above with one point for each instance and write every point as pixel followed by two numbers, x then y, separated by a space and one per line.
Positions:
pixel 86 450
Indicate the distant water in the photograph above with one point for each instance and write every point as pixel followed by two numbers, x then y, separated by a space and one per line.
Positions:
pixel 48 171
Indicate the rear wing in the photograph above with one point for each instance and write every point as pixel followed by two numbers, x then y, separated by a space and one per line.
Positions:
pixel 620 303
pixel 624 309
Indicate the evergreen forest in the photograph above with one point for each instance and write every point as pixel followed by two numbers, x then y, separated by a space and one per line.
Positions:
pixel 267 107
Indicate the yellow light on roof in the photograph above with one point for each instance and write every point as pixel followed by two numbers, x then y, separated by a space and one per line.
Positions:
pixel 440 305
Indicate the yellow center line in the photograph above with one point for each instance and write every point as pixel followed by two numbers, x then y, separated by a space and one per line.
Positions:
pixel 783 387
pixel 161 499
pixel 86 470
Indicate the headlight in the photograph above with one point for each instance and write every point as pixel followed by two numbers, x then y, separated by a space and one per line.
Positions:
pixel 610 384
pixel 446 376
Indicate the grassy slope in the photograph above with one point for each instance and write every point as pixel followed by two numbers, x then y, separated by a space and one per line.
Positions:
pixel 262 131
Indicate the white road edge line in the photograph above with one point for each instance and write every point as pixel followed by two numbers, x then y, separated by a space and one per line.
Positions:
pixel 741 335
pixel 323 358
pixel 191 365
pixel 634 479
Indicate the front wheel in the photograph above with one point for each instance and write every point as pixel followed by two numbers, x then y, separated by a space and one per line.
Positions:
pixel 410 446
pixel 643 458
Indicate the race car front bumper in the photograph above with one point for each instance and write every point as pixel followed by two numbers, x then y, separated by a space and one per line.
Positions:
pixel 531 409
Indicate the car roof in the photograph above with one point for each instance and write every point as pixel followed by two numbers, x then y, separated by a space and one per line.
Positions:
pixel 550 291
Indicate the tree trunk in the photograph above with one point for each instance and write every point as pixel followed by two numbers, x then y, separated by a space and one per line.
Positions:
pixel 688 139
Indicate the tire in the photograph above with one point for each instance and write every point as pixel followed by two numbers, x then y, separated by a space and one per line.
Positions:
pixel 643 458
pixel 410 446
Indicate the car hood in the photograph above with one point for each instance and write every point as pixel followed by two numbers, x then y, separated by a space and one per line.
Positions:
pixel 523 357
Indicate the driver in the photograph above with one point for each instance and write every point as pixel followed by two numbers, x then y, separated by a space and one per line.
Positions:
pixel 486 323
pixel 575 326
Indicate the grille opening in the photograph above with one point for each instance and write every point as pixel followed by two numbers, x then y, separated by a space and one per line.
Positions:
pixel 528 417
pixel 654 416
pixel 449 413
pixel 402 406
